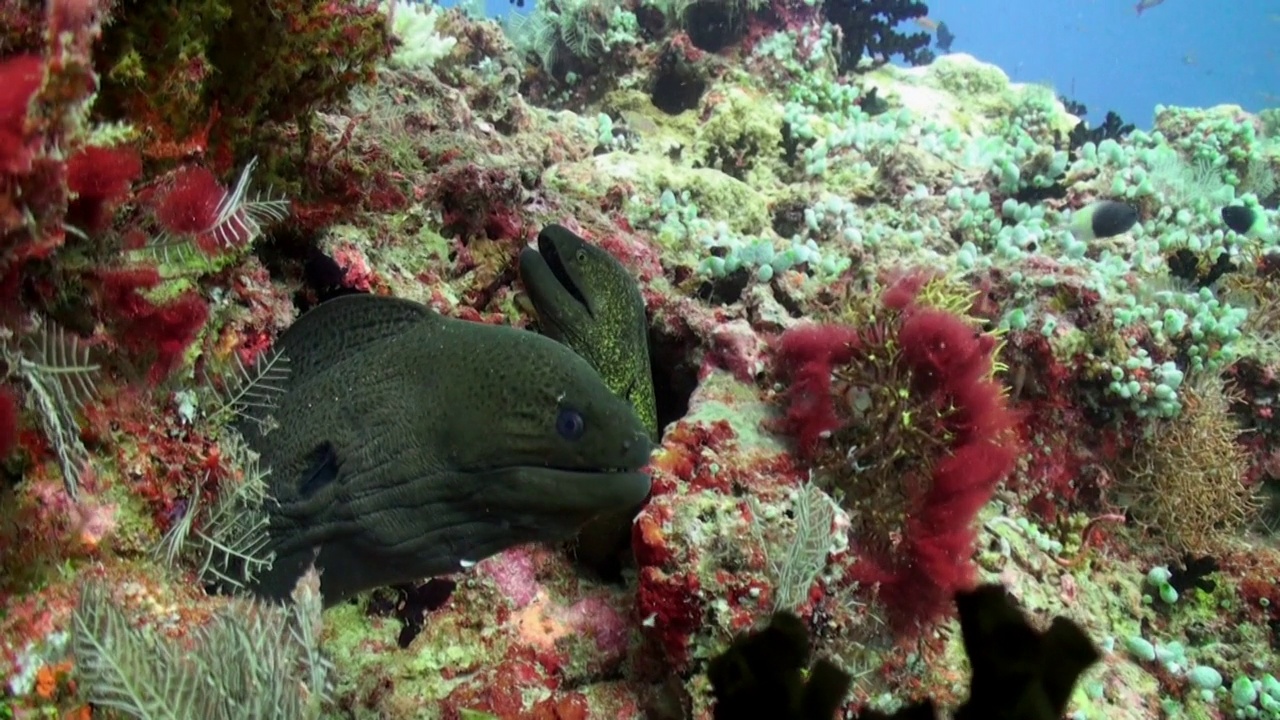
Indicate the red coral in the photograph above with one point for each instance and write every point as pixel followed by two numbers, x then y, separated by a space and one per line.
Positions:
pixel 934 561
pixel 100 177
pixel 72 16
pixel 102 173
pixel 806 355
pixel 190 206
pixel 940 347
pixel 8 422
pixel 671 603
pixel 903 287
pixel 161 333
pixel 20 78
pixel 197 205
pixel 949 363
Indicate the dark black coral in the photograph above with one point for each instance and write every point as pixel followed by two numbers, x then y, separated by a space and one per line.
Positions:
pixel 869 29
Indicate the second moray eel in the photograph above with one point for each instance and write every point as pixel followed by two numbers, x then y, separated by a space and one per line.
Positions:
pixel 587 300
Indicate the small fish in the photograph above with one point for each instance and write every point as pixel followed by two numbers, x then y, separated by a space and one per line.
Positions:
pixel 639 123
pixel 1103 219
pixel 407 445
pixel 1241 219
pixel 1147 5
pixel 944 38
pixel 872 104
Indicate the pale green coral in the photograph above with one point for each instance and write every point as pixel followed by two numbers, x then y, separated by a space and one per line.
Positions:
pixel 421 45
pixel 742 134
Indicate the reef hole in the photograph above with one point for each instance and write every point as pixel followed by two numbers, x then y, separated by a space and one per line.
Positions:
pixel 725 290
pixel 713 25
pixel 410 604
pixel 677 86
pixel 674 369
pixel 295 258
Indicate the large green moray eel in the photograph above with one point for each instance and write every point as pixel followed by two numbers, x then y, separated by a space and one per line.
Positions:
pixel 406 444
pixel 586 299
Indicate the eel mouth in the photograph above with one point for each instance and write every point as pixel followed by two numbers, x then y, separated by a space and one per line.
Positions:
pixel 544 490
pixel 547 248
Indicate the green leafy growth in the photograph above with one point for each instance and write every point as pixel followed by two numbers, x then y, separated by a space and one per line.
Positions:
pixel 227 539
pixel 251 661
pixel 794 569
pixel 60 378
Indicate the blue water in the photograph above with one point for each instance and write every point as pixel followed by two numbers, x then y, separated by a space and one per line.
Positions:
pixel 1100 52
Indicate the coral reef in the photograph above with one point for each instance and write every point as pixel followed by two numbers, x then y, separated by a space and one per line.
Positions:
pixel 886 370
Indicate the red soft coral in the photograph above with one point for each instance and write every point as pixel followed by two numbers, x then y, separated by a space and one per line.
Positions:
pixel 8 421
pixel 942 349
pixel 161 333
pixel 99 177
pixel 806 354
pixel 948 358
pixel 102 173
pixel 190 204
pixel 196 205
pixel 20 78
pixel 949 364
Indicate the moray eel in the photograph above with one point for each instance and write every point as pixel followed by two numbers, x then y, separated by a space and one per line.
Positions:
pixel 406 444
pixel 587 300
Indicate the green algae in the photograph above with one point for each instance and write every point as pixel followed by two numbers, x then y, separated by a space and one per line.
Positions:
pixel 365 652
pixel 722 397
pixel 717 196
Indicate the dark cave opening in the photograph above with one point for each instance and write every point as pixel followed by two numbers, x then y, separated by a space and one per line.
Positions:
pixel 675 373
pixel 410 604
pixel 725 290
pixel 290 256
pixel 713 25
pixel 677 86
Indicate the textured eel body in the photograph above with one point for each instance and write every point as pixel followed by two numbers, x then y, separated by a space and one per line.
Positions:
pixel 406 445
pixel 587 300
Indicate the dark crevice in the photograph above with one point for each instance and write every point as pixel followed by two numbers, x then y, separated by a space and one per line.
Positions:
pixel 410 604
pixel 675 373
pixel 784 298
pixel 677 85
pixel 296 258
pixel 714 25
pixel 726 290
pixel 788 218
pixel 1032 195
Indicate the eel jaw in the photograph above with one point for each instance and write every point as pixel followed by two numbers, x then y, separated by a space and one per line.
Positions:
pixel 566 495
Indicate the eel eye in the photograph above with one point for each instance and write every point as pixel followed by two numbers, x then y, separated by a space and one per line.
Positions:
pixel 582 256
pixel 569 424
